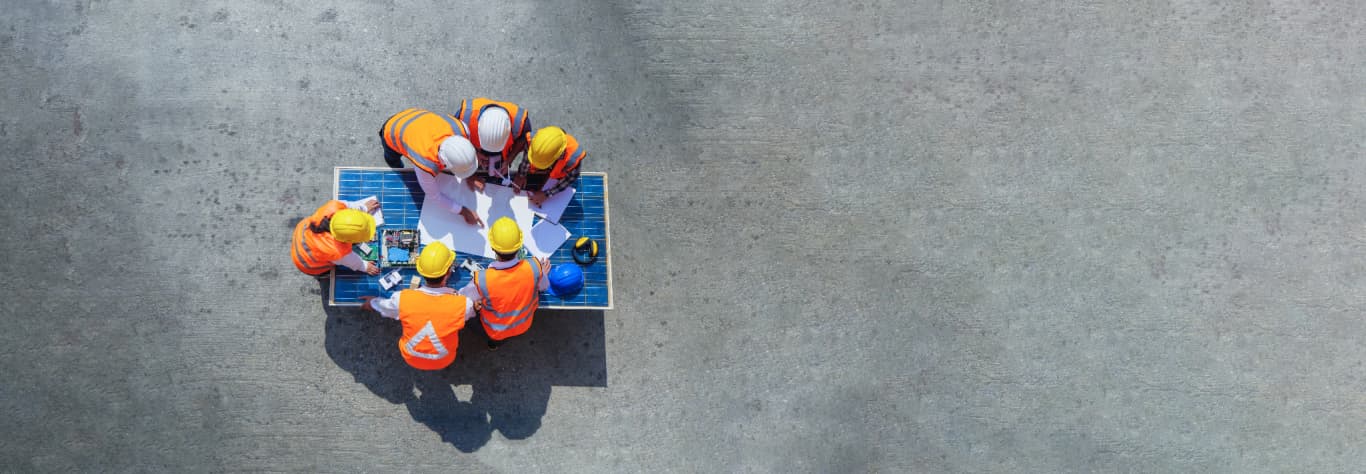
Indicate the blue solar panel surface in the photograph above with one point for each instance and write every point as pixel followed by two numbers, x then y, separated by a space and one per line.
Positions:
pixel 401 200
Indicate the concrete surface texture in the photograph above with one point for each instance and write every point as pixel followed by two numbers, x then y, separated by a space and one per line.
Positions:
pixel 915 236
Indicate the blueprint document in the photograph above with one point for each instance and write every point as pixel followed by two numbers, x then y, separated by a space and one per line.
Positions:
pixel 553 207
pixel 545 238
pixel 450 228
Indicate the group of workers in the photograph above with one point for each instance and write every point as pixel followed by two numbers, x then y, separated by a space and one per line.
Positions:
pixel 480 144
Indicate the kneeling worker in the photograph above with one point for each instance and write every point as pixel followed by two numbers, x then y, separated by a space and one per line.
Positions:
pixel 551 164
pixel 435 144
pixel 323 240
pixel 510 288
pixel 432 315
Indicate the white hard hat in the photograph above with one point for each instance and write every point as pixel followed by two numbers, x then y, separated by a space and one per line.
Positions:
pixel 458 155
pixel 494 126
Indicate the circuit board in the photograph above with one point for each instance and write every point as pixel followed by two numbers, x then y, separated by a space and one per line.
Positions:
pixel 401 247
pixel 368 251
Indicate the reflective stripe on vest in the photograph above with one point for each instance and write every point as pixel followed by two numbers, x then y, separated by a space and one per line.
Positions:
pixel 522 314
pixel 310 263
pixel 573 154
pixel 310 250
pixel 469 113
pixel 433 319
pixel 428 333
pixel 396 134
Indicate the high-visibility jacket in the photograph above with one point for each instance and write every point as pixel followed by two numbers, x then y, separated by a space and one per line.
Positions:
pixel 431 328
pixel 314 252
pixel 418 134
pixel 510 298
pixel 469 115
pixel 573 155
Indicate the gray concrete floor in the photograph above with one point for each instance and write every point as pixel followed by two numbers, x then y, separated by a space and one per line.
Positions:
pixel 849 236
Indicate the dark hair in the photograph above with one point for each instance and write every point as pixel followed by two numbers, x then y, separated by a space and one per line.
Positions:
pixel 503 257
pixel 435 282
pixel 324 225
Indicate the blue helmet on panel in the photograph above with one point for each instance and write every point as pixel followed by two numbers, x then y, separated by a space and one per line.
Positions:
pixel 566 280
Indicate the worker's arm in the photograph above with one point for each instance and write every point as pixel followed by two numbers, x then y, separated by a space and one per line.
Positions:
pixel 518 147
pixel 443 198
pixel 386 307
pixel 471 294
pixel 520 173
pixel 354 262
pixel 469 308
pixel 554 186
pixel 545 274
pixel 365 205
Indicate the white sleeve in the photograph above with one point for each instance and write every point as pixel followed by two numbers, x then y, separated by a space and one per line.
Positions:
pixel 469 309
pixel 358 205
pixel 471 295
pixel 387 307
pixel 352 261
pixel 431 187
pixel 469 291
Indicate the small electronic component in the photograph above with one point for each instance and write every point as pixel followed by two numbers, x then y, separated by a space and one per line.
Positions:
pixel 368 251
pixel 388 281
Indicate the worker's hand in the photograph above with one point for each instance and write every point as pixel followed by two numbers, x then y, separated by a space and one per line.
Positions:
pixel 537 197
pixel 545 263
pixel 471 218
pixel 365 303
pixel 371 268
pixel 372 205
pixel 518 183
pixel 475 184
pixel 478 305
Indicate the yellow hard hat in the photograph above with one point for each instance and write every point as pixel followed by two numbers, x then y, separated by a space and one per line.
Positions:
pixel 352 226
pixel 435 260
pixel 546 146
pixel 505 236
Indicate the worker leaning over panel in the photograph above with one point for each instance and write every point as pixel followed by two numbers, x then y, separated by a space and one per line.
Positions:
pixel 552 164
pixel 498 131
pixel 324 239
pixel 509 290
pixel 434 144
pixel 432 315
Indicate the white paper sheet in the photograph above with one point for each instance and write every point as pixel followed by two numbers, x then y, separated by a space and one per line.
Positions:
pixel 553 207
pixel 450 228
pixel 379 212
pixel 546 238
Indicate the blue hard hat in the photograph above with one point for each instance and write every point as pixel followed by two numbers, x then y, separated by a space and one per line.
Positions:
pixel 566 280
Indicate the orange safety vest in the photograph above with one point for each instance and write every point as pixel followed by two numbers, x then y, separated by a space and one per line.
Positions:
pixel 314 252
pixel 572 156
pixel 510 298
pixel 469 115
pixel 418 134
pixel 431 327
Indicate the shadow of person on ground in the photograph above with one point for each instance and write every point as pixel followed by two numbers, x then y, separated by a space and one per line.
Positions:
pixel 510 388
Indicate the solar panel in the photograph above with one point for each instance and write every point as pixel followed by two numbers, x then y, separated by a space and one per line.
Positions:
pixel 401 199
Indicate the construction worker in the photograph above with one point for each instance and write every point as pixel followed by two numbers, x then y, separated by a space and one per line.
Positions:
pixel 498 131
pixel 551 164
pixel 323 240
pixel 432 315
pixel 509 290
pixel 434 144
